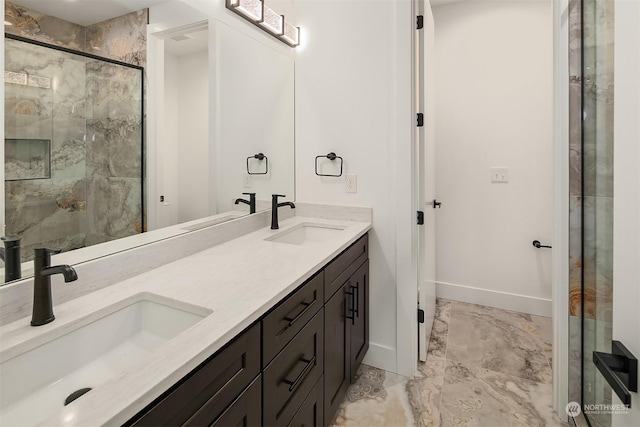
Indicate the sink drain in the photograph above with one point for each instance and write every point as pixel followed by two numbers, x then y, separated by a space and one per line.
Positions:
pixel 76 394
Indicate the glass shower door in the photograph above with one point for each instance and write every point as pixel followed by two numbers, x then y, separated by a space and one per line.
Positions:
pixel 597 201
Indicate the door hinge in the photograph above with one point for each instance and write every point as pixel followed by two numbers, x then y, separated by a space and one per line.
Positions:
pixel 420 218
pixel 420 315
pixel 420 22
pixel 420 120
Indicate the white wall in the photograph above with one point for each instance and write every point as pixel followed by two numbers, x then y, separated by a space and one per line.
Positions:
pixel 626 210
pixel 168 213
pixel 351 87
pixel 255 96
pixel 193 138
pixel 186 138
pixel 495 108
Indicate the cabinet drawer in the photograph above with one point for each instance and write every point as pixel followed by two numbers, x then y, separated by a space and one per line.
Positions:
pixel 293 373
pixel 310 413
pixel 216 383
pixel 344 265
pixel 245 411
pixel 283 323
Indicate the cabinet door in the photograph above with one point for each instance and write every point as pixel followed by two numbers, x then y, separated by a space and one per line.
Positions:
pixel 311 410
pixel 359 325
pixel 289 379
pixel 246 411
pixel 336 351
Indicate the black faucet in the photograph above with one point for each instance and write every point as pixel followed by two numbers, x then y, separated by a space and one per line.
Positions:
pixel 10 254
pixel 251 202
pixel 274 209
pixel 42 302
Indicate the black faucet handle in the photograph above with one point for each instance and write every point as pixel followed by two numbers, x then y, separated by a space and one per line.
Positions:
pixel 275 196
pixel 41 251
pixel 250 194
pixel 11 241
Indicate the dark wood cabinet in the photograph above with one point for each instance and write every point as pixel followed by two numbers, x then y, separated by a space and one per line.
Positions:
pixel 245 411
pixel 210 388
pixel 359 328
pixel 291 368
pixel 293 373
pixel 287 319
pixel 311 411
pixel 337 376
pixel 346 324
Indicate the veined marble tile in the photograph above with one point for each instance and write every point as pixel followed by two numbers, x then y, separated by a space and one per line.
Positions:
pixel 384 404
pixel 114 206
pixel 472 396
pixel 440 329
pixel 120 37
pixel 498 340
pixel 35 25
pixel 545 334
pixel 114 147
pixel 425 391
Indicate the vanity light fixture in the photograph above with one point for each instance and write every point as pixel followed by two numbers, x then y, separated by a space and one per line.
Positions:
pixel 260 15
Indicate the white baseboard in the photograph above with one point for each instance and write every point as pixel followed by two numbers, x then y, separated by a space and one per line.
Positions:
pixel 381 357
pixel 503 300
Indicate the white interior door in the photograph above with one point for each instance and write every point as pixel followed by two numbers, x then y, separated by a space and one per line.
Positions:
pixel 425 158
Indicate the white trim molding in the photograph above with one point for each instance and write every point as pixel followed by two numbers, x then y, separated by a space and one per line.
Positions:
pixel 490 298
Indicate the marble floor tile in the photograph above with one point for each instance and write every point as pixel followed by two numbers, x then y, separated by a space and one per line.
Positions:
pixel 545 333
pixel 485 367
pixel 473 396
pixel 425 391
pixel 386 405
pixel 440 329
pixel 497 340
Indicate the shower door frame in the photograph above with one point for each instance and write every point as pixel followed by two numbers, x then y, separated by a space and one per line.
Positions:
pixel 560 254
pixel 142 115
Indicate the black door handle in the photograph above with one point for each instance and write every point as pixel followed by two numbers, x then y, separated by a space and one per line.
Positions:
pixel 539 245
pixel 620 369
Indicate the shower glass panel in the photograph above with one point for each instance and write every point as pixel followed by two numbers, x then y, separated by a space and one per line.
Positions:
pixel 73 147
pixel 597 202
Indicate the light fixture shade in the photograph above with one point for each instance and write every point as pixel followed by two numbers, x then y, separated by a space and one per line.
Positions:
pixel 267 19
pixel 272 22
pixel 251 9
pixel 291 34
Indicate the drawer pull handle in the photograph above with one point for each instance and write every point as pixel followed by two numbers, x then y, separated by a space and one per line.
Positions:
pixel 352 309
pixel 293 384
pixel 356 303
pixel 297 317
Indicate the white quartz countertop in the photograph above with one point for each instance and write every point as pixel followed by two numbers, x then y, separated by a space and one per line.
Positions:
pixel 237 282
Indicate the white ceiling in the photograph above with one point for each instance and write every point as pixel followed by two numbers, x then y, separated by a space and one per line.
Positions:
pixel 87 12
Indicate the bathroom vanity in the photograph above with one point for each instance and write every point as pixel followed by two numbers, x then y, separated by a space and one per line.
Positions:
pixel 291 367
pixel 267 327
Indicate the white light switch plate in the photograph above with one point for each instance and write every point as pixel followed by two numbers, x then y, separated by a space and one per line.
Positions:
pixel 499 174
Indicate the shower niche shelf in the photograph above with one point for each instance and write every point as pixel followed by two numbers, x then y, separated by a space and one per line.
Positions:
pixel 27 159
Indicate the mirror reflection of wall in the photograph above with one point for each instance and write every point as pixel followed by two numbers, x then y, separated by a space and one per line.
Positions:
pixel 236 103
pixel 186 125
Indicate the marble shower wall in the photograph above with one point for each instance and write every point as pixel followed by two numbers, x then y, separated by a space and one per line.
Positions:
pixel 47 211
pixel 591 194
pixel 91 113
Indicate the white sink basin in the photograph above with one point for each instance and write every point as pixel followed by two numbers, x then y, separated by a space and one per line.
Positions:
pixel 35 384
pixel 306 233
